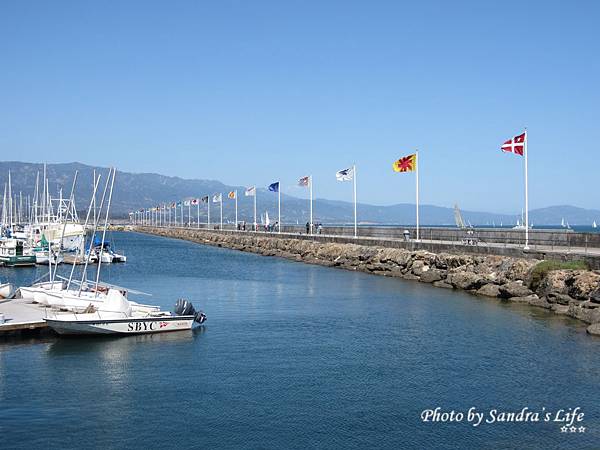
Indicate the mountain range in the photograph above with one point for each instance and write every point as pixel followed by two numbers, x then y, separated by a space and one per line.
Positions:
pixel 134 191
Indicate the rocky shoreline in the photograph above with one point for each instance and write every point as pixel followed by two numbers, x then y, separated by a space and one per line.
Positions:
pixel 574 293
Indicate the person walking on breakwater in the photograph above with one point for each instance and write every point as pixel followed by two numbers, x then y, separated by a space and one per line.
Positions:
pixel 307 228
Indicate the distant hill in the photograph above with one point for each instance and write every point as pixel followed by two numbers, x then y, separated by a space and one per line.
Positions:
pixel 143 190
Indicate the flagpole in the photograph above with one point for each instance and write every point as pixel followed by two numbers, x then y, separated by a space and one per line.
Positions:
pixel 236 215
pixel 526 197
pixel 279 206
pixel 255 193
pixel 221 197
pixel 208 200
pixel 417 190
pixel 190 214
pixel 198 207
pixel 181 214
pixel 311 204
pixel 355 221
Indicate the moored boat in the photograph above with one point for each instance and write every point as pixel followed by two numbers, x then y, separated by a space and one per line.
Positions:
pixel 14 253
pixel 117 316
pixel 6 290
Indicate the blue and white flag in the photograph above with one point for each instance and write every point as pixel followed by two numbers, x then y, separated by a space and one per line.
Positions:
pixel 274 187
pixel 217 198
pixel 345 175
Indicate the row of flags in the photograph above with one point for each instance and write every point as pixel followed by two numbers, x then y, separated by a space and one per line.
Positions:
pixel 517 145
pixel 405 164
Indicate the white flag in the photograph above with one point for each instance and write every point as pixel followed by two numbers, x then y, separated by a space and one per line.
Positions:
pixel 345 175
pixel 250 192
pixel 217 198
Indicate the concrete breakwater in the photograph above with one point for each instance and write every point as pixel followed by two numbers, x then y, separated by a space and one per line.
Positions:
pixel 574 293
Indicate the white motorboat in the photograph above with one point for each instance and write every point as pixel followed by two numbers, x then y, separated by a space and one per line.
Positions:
pixel 116 316
pixel 6 290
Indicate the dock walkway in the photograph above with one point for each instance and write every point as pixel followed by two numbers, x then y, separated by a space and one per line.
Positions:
pixel 21 316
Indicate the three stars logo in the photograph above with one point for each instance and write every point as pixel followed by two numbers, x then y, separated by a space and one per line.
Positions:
pixel 572 429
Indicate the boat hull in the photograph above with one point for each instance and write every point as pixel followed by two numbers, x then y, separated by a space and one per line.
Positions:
pixel 18 261
pixel 126 326
pixel 6 290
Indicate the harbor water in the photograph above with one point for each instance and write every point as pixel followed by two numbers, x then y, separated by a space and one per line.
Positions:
pixel 298 356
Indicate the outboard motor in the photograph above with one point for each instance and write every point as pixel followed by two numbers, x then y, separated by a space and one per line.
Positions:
pixel 200 317
pixel 184 307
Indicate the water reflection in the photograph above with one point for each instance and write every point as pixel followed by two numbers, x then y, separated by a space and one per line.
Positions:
pixel 118 347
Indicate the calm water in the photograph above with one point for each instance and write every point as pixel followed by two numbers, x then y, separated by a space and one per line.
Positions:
pixel 297 356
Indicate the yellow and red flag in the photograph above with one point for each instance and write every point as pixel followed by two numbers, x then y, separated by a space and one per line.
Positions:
pixel 231 194
pixel 406 164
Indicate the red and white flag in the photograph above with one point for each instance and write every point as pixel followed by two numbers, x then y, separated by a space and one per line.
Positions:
pixel 515 145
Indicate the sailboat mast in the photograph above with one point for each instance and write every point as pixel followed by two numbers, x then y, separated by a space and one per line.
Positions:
pixel 87 218
pixel 89 253
pixel 112 184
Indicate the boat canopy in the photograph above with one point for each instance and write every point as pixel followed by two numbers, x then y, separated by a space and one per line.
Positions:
pixel 116 302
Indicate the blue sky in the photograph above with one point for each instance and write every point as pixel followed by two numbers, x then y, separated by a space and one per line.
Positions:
pixel 251 92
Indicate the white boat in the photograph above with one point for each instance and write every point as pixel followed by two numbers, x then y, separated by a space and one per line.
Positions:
pixel 594 225
pixel 6 290
pixel 37 292
pixel 106 258
pixel 75 301
pixel 117 257
pixel 42 258
pixel 116 316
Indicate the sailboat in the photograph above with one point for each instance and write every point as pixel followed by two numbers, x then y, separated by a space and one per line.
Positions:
pixel 460 223
pixel 594 225
pixel 6 290
pixel 521 224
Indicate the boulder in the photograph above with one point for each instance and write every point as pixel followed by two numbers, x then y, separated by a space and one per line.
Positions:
pixel 560 309
pixel 560 299
pixel 419 267
pixel 410 276
pixel 540 302
pixel 594 329
pixel 465 280
pixel 489 290
pixel 431 276
pixel 585 314
pixel 528 299
pixel 595 296
pixel 443 284
pixel 582 284
pixel 514 289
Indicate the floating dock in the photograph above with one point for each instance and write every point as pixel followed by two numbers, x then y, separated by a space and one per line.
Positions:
pixel 22 318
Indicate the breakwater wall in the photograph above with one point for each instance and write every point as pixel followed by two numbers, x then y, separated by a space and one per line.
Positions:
pixel 574 293
pixel 537 237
